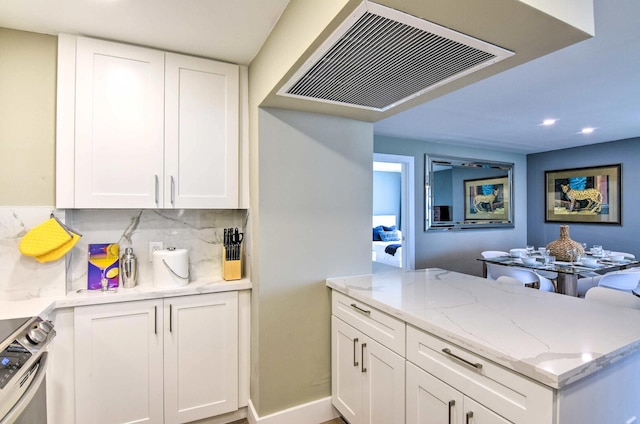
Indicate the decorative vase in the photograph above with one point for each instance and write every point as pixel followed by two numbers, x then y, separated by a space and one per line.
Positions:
pixel 563 247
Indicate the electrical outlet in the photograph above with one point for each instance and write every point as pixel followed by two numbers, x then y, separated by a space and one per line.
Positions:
pixel 153 246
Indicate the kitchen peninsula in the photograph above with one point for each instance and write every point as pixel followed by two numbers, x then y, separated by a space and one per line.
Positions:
pixel 462 345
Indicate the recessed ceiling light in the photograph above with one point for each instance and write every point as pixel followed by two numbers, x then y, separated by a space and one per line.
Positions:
pixel 587 130
pixel 548 122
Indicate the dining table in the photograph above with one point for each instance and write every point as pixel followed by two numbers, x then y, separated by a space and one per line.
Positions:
pixel 567 272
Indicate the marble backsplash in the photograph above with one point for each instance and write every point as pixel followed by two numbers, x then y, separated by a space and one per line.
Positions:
pixel 198 231
pixel 22 277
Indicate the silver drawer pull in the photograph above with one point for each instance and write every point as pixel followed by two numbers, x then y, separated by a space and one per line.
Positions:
pixel 477 365
pixel 355 360
pixel 468 418
pixel 364 311
pixel 452 403
pixel 363 346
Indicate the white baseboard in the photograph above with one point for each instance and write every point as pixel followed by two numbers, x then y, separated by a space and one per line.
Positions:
pixel 315 412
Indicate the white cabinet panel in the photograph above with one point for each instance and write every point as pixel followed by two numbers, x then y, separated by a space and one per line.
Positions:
pixel 347 389
pixel 118 351
pixel 119 125
pixel 368 379
pixel 431 401
pixel 201 133
pixel 145 129
pixel 155 361
pixel 201 356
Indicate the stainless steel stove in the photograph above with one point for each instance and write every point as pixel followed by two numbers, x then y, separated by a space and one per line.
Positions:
pixel 23 363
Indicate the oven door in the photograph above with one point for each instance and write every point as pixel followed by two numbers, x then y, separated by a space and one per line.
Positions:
pixel 31 408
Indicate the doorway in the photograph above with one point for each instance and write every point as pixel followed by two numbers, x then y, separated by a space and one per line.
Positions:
pixel 404 195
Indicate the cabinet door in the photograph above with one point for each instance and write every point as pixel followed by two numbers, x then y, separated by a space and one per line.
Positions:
pixel 385 384
pixel 474 413
pixel 119 125
pixel 118 357
pixel 430 401
pixel 347 382
pixel 201 133
pixel 201 356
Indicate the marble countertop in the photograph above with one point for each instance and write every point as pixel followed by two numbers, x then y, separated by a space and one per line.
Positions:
pixel 45 305
pixel 551 338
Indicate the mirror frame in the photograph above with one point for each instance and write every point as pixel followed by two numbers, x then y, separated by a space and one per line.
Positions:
pixel 432 225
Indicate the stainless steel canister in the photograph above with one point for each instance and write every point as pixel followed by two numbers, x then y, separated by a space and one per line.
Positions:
pixel 128 268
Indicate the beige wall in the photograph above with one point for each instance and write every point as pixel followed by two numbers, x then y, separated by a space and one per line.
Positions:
pixel 27 118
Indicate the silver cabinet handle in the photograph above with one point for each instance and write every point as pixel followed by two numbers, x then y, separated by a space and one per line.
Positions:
pixel 173 191
pixel 477 365
pixel 452 403
pixel 362 348
pixel 155 320
pixel 170 318
pixel 364 311
pixel 469 416
pixel 157 190
pixel 355 360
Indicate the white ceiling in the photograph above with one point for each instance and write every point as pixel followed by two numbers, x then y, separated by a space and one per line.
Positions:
pixel 593 83
pixel 227 30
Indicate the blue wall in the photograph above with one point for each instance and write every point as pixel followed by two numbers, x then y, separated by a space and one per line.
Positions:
pixel 386 194
pixel 458 250
pixel 622 238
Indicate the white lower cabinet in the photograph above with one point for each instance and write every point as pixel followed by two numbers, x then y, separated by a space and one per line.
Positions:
pixel 157 361
pixel 368 379
pixel 431 401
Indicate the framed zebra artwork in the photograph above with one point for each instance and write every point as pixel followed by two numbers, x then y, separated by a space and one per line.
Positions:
pixel 487 199
pixel 584 195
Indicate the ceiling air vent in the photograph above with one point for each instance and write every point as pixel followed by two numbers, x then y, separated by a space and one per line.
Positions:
pixel 380 57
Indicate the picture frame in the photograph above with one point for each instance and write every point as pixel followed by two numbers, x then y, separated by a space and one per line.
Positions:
pixel 487 199
pixel 590 195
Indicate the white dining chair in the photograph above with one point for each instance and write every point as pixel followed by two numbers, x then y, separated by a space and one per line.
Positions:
pixel 586 283
pixel 526 276
pixel 509 280
pixel 621 280
pixel 494 271
pixel 613 297
pixel 492 254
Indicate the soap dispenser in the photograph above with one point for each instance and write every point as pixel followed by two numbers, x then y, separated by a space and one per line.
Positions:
pixel 128 268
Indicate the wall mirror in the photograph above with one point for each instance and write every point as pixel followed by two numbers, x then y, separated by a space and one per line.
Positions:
pixel 467 193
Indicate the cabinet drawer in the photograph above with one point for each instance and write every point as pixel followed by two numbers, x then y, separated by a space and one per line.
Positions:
pixel 383 328
pixel 510 395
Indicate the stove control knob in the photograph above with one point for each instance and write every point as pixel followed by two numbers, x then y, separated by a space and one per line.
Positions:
pixel 46 326
pixel 36 336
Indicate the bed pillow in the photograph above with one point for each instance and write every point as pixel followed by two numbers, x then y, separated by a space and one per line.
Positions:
pixel 376 232
pixel 390 235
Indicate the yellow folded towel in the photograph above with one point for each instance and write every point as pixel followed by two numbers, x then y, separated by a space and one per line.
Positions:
pixel 59 252
pixel 44 238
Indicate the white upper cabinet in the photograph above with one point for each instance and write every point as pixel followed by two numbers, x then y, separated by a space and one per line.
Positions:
pixel 201 133
pixel 140 128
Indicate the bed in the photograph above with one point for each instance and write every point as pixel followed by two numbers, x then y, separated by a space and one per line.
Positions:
pixel 387 241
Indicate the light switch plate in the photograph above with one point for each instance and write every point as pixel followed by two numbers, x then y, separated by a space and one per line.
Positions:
pixel 153 246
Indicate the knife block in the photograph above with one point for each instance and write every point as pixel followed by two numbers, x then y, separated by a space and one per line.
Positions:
pixel 231 270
